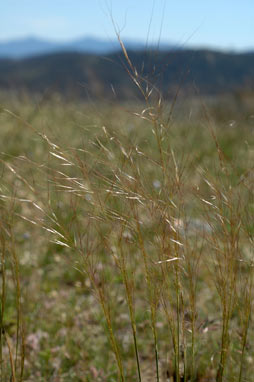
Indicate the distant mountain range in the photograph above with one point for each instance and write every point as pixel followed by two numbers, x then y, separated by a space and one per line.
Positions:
pixel 28 47
pixel 106 77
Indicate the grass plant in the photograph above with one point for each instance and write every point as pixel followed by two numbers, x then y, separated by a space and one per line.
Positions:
pixel 133 219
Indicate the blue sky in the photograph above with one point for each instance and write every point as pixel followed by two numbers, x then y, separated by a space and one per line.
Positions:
pixel 225 24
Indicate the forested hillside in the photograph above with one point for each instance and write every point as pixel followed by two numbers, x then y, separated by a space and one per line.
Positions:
pixel 82 75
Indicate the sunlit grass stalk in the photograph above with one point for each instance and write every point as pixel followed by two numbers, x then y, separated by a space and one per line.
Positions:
pixel 167 298
pixel 159 145
pixel 193 339
pixel 177 284
pixel 192 261
pixel 224 346
pixel 169 314
pixel 3 297
pixel 247 308
pixel 16 276
pixel 227 298
pixel 176 323
pixel 150 287
pixel 228 292
pixel 8 246
pixel 129 296
pixel 185 357
pixel 106 311
pixel 12 362
pixel 178 318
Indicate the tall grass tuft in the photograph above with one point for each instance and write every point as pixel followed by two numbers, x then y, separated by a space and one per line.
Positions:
pixel 161 234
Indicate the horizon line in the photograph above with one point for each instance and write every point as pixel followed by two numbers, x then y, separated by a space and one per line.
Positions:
pixel 180 45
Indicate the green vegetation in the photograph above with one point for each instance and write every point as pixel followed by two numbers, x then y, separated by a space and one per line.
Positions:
pixel 126 239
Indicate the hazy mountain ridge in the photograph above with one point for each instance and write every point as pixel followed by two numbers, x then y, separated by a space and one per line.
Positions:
pixel 75 74
pixel 27 47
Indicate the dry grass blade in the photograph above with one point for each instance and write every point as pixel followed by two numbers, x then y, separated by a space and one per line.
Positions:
pixel 12 362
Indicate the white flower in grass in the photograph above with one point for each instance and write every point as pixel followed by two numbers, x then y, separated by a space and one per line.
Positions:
pixel 156 184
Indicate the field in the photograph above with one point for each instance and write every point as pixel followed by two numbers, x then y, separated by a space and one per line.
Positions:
pixel 126 238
